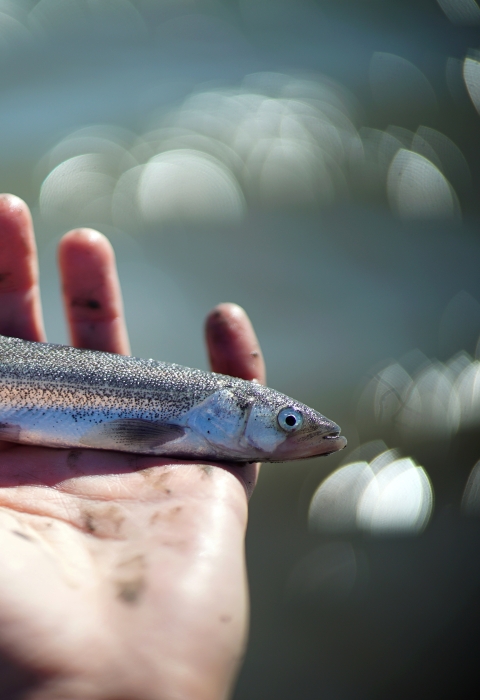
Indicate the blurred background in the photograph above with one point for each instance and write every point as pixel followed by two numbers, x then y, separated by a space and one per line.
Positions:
pixel 316 161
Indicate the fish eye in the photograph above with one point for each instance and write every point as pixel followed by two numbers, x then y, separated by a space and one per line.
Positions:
pixel 289 419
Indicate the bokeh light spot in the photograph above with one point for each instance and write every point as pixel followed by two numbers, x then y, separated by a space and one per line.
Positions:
pixel 386 496
pixel 190 186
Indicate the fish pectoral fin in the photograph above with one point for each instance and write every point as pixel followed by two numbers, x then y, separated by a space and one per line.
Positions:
pixel 9 431
pixel 132 434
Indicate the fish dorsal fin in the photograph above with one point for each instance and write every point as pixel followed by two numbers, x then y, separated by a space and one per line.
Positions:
pixel 131 435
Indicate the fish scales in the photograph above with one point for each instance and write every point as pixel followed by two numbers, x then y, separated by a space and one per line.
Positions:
pixel 67 376
pixel 60 396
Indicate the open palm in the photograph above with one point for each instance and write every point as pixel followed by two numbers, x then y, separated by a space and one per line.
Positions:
pixel 121 576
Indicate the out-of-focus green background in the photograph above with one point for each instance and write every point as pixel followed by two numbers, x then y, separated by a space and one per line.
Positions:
pixel 316 161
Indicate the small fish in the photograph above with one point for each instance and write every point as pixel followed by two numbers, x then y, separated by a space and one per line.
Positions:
pixel 59 396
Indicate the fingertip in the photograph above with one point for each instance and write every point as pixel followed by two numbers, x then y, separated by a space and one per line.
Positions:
pixel 224 316
pixel 11 203
pixel 15 218
pixel 87 235
pixel 228 308
pixel 84 241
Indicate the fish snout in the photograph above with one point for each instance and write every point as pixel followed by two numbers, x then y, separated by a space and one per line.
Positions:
pixel 332 442
pixel 320 437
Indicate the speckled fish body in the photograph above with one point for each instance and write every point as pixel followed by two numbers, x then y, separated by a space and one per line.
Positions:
pixel 59 396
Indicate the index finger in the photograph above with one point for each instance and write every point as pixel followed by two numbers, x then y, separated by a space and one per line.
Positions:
pixel 20 308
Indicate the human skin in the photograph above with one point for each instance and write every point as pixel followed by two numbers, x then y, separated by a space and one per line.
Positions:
pixel 122 577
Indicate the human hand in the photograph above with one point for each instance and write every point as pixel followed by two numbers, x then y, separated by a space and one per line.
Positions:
pixel 122 577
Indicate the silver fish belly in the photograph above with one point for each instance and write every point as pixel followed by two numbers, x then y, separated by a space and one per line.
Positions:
pixel 59 396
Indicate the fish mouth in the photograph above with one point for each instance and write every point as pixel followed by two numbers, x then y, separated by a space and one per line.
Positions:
pixel 321 446
pixel 332 436
pixel 332 442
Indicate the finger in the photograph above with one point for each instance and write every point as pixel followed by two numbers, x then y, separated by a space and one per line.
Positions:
pixel 91 292
pixel 20 308
pixel 232 344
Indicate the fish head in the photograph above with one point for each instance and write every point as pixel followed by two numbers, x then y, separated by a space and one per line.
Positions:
pixel 248 422
pixel 282 429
